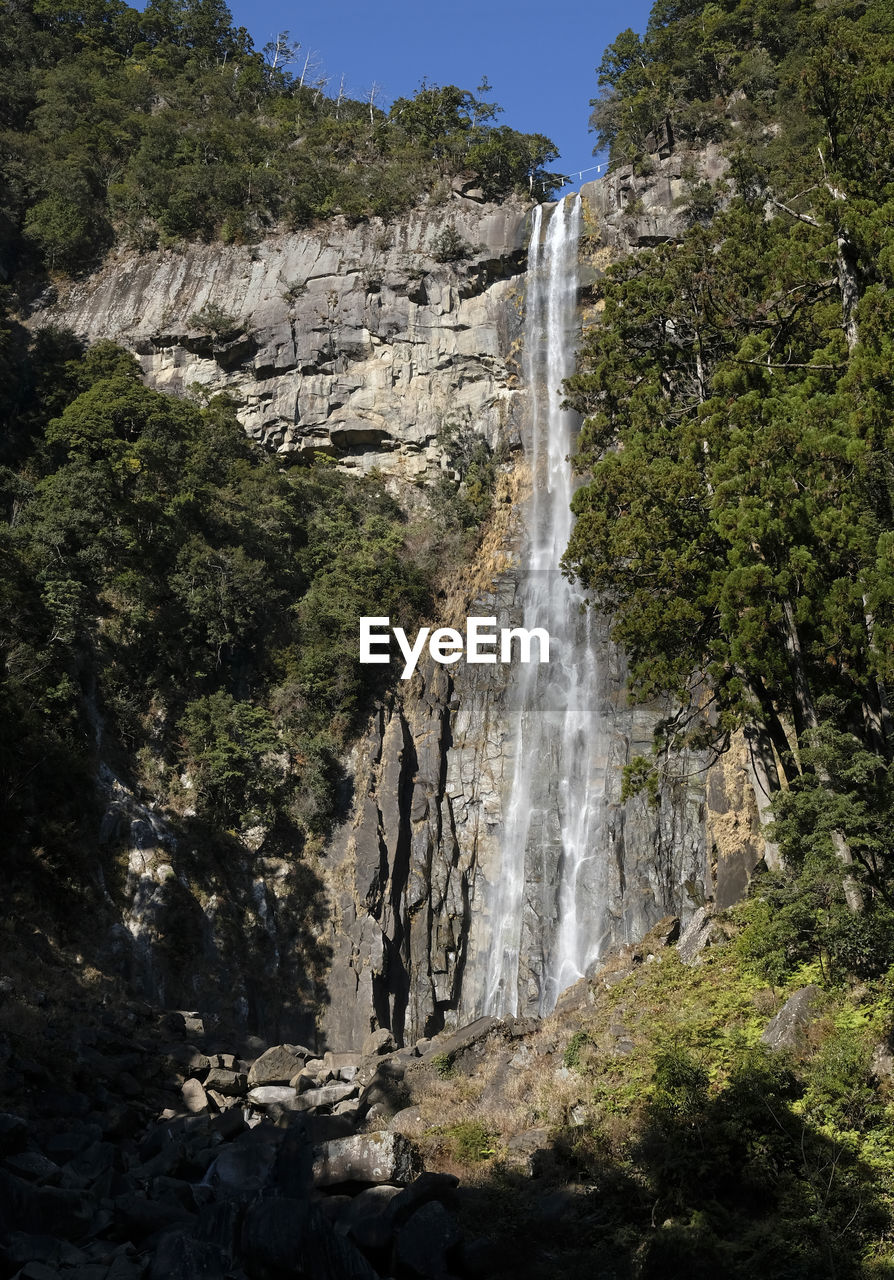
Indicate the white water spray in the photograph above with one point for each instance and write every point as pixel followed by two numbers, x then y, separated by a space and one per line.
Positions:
pixel 547 903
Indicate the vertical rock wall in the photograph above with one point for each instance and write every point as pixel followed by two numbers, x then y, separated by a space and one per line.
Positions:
pixel 364 344
pixel 436 771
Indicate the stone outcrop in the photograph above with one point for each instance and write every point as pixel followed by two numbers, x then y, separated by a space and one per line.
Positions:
pixel 788 1029
pixel 360 342
pixel 637 208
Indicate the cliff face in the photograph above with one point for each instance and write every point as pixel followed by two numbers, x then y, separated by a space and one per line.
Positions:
pixel 432 779
pixel 359 342
pixel 364 343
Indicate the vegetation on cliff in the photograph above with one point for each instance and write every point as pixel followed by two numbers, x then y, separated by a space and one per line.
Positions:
pixel 738 515
pixel 179 605
pixel 674 1130
pixel 149 127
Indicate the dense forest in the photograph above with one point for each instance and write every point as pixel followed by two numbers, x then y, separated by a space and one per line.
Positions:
pixel 149 127
pixel 180 607
pixel 178 602
pixel 737 518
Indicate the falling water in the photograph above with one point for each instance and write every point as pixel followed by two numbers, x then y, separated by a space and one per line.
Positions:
pixel 546 904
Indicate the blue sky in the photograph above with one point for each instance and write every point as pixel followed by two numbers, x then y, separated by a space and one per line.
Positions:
pixel 540 57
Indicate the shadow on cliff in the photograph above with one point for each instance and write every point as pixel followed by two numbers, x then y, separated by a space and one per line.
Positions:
pixel 235 933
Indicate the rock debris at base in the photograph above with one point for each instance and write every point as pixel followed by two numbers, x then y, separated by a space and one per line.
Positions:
pixel 172 1163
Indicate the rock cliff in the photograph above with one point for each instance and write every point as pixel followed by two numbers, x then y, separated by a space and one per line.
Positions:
pixel 359 342
pixel 364 343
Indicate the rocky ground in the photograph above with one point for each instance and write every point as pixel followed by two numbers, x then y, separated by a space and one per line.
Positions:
pixel 138 1144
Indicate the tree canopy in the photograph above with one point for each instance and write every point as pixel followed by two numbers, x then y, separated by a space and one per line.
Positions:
pixel 151 126
pixel 738 514
pixel 179 604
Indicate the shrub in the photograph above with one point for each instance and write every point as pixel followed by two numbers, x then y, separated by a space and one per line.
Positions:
pixel 214 320
pixel 449 246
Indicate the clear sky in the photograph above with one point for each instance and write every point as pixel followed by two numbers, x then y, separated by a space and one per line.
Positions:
pixel 540 57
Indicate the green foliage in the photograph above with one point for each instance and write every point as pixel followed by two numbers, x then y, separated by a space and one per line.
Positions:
pixel 226 750
pixel 469 1141
pixel 738 514
pixel 640 777
pixel 167 124
pixel 840 1091
pixel 798 918
pixel 679 1087
pixel 213 319
pixel 448 245
pixel 465 495
pixel 169 588
pixel 712 1153
pixel 573 1057
pixel 443 1065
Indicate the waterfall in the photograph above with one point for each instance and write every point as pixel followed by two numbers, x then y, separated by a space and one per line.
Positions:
pixel 546 906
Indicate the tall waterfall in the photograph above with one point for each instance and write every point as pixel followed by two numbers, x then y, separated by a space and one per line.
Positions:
pixel 547 903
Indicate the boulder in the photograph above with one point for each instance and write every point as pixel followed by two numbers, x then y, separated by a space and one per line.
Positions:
pixel 232 1084
pixel 408 1119
pixel 13 1134
pixel 53 1211
pixel 378 1043
pixel 465 1041
pixel 695 937
pixel 244 1165
pixel 577 996
pixel 266 1095
pixel 525 1152
pixel 386 1090
pixel 366 1219
pixel 274 1232
pixel 788 1029
pixel 365 1157
pixel 422 1190
pixel 186 1059
pixel 347 1107
pixel 221 1101
pixel 326 1095
pixel 194 1097
pixel 426 1240
pixel 33 1166
pixel 276 1066
pixel 136 1217
pixel 293 1236
pixel 179 1256
pixel 335 1063
pixel 38 1271
pixel 21 1248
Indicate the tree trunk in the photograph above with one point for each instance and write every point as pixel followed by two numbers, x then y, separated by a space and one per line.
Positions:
pixel 848 287
pixel 806 712
pixel 775 731
pixel 764 778
pixel 883 720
